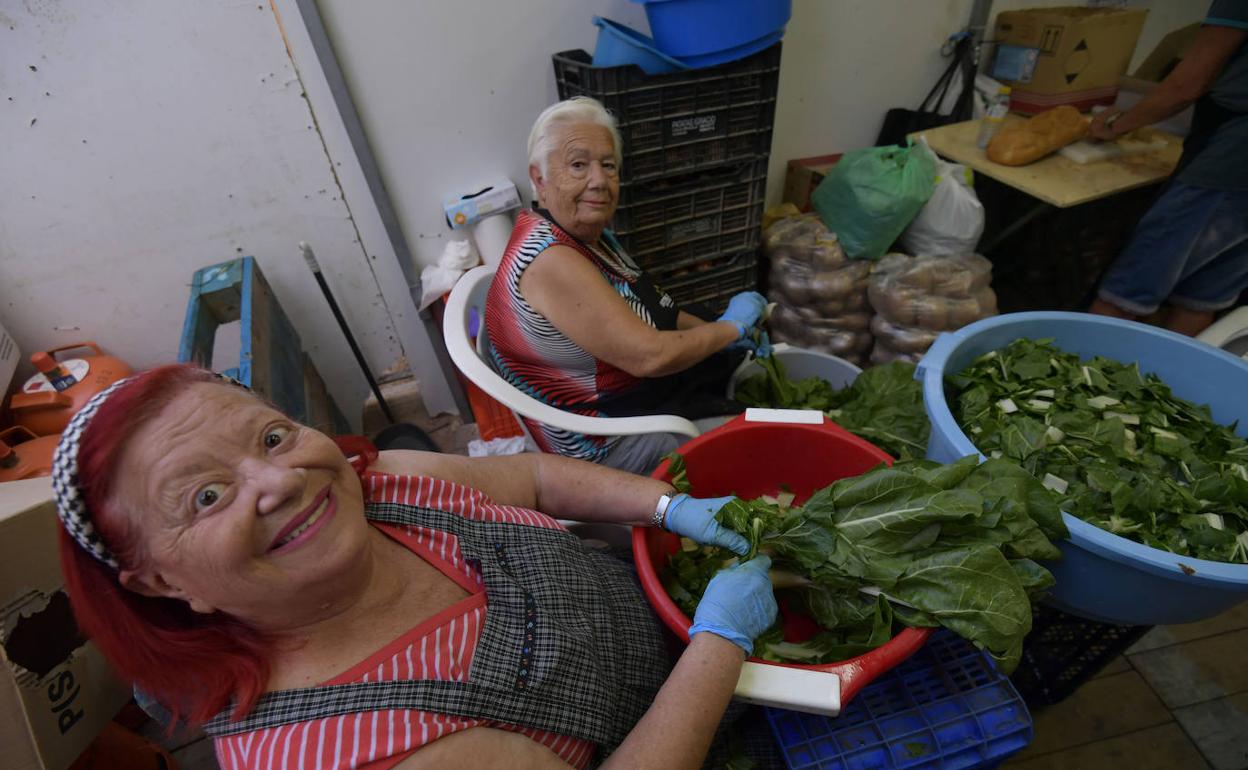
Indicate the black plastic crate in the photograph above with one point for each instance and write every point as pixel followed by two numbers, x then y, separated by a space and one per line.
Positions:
pixel 710 283
pixel 683 121
pixel 685 219
pixel 1063 651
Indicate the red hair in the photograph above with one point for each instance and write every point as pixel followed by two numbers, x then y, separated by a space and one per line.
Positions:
pixel 191 663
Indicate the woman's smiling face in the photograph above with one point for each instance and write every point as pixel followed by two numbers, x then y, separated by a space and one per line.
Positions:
pixel 581 185
pixel 239 509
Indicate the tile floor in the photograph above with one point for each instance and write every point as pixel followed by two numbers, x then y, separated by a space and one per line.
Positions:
pixel 1177 700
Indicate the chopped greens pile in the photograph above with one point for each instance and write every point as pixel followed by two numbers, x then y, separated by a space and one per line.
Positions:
pixel 1120 451
pixel 884 404
pixel 950 545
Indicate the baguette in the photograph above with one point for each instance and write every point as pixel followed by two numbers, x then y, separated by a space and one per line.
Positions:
pixel 1022 143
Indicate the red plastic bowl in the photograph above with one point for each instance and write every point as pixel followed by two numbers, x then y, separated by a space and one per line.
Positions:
pixel 749 459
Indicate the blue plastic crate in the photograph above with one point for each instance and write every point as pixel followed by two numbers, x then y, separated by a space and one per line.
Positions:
pixel 946 708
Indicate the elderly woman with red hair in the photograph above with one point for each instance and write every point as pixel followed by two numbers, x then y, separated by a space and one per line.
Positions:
pixel 398 609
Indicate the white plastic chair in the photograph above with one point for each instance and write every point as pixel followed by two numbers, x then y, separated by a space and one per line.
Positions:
pixel 469 294
pixel 1230 332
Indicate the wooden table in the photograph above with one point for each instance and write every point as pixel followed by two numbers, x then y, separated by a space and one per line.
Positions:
pixel 1056 181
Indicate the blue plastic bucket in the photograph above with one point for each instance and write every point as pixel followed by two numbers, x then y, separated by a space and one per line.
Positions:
pixel 1102 576
pixel 732 54
pixel 699 28
pixel 619 46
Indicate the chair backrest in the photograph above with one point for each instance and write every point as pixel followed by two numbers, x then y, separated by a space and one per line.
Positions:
pixel 472 360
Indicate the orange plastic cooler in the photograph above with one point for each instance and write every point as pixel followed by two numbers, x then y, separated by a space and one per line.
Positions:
pixel 754 455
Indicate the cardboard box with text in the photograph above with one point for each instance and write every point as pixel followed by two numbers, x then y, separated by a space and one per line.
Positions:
pixel 56 691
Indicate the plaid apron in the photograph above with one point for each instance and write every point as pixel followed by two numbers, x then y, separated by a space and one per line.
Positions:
pixel 569 645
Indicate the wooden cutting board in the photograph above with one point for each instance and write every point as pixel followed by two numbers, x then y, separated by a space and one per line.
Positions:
pixel 1087 151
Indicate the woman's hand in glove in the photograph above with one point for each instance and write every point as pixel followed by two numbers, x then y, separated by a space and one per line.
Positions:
pixel 694 518
pixel 744 311
pixel 738 604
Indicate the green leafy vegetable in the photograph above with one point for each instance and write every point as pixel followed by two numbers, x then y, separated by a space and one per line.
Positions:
pixel 1116 446
pixel 884 404
pixel 952 545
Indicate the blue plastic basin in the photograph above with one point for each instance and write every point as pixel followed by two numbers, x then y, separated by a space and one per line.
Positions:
pixel 699 28
pixel 1102 576
pixel 732 54
pixel 619 46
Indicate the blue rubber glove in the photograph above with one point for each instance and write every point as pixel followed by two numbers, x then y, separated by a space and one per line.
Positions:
pixel 694 518
pixel 762 347
pixel 744 311
pixel 738 604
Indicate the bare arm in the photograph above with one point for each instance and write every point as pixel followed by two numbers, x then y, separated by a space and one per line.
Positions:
pixel 689 321
pixel 677 729
pixel 674 734
pixel 1193 76
pixel 573 295
pixel 558 486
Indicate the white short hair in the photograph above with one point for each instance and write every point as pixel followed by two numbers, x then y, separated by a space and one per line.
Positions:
pixel 578 109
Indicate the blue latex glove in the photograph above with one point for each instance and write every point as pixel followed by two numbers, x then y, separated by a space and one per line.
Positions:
pixel 744 311
pixel 761 348
pixel 694 518
pixel 738 604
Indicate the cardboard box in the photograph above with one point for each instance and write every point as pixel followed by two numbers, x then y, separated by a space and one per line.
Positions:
pixel 1065 55
pixel 1168 53
pixel 56 691
pixel 803 176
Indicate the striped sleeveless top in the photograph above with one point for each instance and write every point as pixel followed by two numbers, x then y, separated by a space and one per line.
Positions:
pixel 441 647
pixel 531 354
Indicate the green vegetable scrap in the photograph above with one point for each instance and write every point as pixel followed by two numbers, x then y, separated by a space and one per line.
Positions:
pixel 952 545
pixel 884 404
pixel 1115 445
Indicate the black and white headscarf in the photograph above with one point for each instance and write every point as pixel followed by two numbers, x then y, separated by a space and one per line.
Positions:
pixel 70 505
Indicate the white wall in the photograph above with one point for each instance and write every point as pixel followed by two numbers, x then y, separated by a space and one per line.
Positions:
pixel 143 139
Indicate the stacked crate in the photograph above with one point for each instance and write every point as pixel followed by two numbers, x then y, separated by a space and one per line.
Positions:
pixel 695 152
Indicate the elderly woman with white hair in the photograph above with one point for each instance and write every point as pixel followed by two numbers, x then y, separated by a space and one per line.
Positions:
pixel 576 323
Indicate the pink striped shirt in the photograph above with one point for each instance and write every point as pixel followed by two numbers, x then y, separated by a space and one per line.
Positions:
pixel 441 647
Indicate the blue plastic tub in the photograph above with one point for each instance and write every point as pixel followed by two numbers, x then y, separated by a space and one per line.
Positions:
pixel 619 45
pixel 946 707
pixel 1102 576
pixel 692 30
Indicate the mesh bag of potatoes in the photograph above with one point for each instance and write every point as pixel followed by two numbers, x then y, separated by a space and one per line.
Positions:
pixel 820 296
pixel 917 298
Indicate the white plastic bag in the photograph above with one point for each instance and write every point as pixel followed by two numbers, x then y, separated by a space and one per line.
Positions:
pixel 435 280
pixel 952 219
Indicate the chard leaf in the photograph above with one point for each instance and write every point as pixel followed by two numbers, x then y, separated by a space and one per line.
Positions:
pixel 1134 459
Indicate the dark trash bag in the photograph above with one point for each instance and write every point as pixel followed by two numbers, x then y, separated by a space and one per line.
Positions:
pixel 900 122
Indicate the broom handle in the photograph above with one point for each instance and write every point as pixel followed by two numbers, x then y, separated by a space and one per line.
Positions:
pixel 310 258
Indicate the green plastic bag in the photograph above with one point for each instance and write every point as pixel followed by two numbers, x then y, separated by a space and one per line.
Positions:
pixel 870 196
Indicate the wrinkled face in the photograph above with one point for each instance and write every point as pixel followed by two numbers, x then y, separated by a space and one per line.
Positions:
pixel 241 510
pixel 581 186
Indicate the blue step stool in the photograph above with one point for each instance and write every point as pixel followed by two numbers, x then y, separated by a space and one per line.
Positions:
pixel 271 358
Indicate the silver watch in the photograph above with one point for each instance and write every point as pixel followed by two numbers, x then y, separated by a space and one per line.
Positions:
pixel 658 519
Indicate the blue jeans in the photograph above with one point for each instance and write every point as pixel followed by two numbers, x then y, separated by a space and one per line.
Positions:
pixel 1190 249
